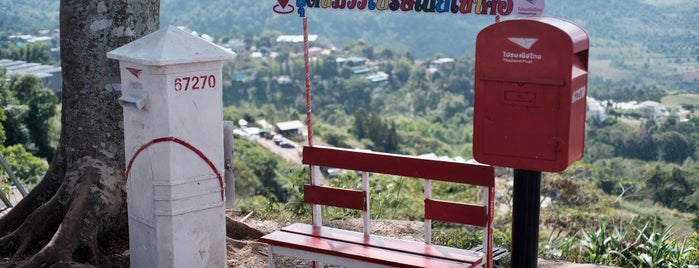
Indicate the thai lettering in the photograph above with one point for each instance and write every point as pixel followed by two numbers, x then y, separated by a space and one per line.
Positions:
pixel 522 57
pixel 481 7
pixel 339 4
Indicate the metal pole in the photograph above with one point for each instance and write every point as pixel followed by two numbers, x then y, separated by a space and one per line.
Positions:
pixel 229 178
pixel 13 177
pixel 525 218
pixel 5 200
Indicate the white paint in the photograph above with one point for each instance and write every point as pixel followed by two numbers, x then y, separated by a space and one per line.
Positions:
pixel 525 43
pixel 100 25
pixel 579 94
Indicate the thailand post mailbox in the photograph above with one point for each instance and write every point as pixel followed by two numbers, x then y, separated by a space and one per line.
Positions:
pixel 173 137
pixel 530 94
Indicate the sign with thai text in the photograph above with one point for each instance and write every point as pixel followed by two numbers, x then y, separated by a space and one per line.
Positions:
pixel 461 7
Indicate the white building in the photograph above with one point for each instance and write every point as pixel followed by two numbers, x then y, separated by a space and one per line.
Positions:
pixel 595 110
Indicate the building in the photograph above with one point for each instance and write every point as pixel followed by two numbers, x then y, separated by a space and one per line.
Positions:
pixel 351 61
pixel 51 75
pixel 595 110
pixel 652 110
pixel 440 62
pixel 360 70
pixel 295 38
pixel 293 42
pixel 290 128
pixel 379 77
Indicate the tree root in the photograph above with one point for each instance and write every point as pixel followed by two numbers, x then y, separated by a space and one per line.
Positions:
pixel 77 231
pixel 66 227
pixel 240 231
pixel 40 224
pixel 43 192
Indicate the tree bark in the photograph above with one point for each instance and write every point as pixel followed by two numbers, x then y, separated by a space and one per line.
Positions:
pixel 82 197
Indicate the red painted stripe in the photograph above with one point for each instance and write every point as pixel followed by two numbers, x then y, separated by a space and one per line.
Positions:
pixel 336 197
pixel 400 165
pixel 456 212
pixel 186 145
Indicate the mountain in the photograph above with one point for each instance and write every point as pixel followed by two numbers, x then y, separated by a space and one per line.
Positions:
pixel 424 34
pixel 634 41
pixel 28 15
pixel 640 41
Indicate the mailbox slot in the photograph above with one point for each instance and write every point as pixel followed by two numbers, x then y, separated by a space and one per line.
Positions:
pixel 133 101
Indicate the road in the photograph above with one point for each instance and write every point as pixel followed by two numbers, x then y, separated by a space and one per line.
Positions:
pixel 290 154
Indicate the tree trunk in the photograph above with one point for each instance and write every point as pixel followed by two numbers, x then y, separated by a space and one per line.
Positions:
pixel 81 197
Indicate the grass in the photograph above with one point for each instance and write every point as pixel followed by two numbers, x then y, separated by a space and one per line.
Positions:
pixel 678 100
pixel 681 222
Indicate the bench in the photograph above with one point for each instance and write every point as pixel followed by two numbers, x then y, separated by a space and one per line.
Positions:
pixel 362 249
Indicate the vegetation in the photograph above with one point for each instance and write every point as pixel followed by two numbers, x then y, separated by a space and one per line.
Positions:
pixel 30 52
pixel 629 157
pixel 24 130
pixel 634 166
pixel 632 243
pixel 22 16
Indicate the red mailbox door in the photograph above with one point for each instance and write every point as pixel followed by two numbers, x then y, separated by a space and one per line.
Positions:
pixel 530 89
pixel 515 134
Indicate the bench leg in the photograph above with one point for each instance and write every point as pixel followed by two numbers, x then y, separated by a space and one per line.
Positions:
pixel 270 257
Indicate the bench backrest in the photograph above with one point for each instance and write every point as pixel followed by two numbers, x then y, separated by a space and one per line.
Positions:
pixel 405 166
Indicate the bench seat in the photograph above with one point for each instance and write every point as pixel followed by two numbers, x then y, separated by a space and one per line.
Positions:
pixel 362 249
pixel 350 248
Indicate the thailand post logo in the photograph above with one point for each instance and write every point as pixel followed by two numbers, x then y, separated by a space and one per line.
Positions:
pixel 529 8
pixel 527 57
pixel 135 72
pixel 525 43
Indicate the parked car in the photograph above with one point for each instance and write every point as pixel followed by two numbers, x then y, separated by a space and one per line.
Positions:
pixel 278 139
pixel 265 133
pixel 287 144
pixel 333 172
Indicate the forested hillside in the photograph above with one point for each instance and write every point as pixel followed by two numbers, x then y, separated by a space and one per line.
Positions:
pixel 637 41
pixel 642 42
pixel 28 15
pixel 425 35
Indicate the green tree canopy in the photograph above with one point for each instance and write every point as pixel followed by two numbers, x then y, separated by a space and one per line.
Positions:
pixel 31 52
pixel 28 106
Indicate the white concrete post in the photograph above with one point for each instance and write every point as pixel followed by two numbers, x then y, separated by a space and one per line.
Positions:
pixel 173 135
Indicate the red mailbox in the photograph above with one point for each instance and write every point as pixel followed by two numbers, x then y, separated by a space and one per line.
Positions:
pixel 530 94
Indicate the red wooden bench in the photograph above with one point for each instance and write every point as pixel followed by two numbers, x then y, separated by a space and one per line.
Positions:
pixel 355 249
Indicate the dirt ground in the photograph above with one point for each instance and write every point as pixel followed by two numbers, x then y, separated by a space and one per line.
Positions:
pixel 253 254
